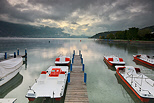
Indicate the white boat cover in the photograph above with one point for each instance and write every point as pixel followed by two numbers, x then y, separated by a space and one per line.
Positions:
pixel 9 66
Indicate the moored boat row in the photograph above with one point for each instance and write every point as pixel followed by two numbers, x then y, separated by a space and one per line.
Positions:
pixel 139 84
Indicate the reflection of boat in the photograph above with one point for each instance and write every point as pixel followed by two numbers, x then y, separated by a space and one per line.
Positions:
pixel 113 60
pixel 62 61
pixel 144 59
pixel 110 67
pixel 9 68
pixel 141 85
pixel 10 85
pixel 50 84
pixel 8 100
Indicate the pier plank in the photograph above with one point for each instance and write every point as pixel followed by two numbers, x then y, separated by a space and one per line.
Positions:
pixel 76 89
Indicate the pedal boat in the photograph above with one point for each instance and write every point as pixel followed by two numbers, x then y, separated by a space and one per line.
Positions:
pixel 114 60
pixel 62 61
pixel 50 84
pixel 144 59
pixel 141 85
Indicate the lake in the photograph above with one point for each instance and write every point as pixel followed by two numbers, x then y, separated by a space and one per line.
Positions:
pixel 103 86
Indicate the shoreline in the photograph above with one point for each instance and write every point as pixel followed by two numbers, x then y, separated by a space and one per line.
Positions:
pixel 126 41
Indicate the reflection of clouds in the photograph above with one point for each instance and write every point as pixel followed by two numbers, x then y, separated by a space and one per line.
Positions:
pixel 84 47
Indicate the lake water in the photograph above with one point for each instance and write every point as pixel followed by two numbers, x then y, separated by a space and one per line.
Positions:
pixel 103 86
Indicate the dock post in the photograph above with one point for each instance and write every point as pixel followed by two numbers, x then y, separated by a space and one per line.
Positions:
pixel 79 52
pixel 80 55
pixel 25 52
pixel 81 60
pixel 68 77
pixel 71 67
pixel 74 52
pixel 14 54
pixel 17 51
pixel 85 78
pixel 5 56
pixel 83 67
pixel 72 60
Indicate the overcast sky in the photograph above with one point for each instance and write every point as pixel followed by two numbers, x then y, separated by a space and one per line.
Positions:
pixel 80 17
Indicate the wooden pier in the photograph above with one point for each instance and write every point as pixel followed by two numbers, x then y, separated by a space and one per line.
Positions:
pixel 76 89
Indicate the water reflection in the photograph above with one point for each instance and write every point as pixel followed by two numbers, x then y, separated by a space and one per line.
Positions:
pixel 10 85
pixel 109 66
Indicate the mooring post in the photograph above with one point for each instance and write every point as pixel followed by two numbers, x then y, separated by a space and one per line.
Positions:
pixel 5 56
pixel 80 55
pixel 17 51
pixel 72 60
pixel 25 52
pixel 71 67
pixel 74 52
pixel 73 55
pixel 14 54
pixel 68 77
pixel 83 67
pixel 85 78
pixel 79 52
pixel 81 60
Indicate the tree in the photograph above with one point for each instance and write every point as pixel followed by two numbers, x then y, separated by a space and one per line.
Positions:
pixel 143 32
pixel 110 36
pixel 132 33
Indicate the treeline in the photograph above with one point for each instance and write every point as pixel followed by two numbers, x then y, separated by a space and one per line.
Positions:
pixel 131 34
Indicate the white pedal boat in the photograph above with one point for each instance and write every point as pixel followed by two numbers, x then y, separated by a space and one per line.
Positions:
pixel 141 85
pixel 51 83
pixel 144 59
pixel 62 61
pixel 114 60
pixel 9 68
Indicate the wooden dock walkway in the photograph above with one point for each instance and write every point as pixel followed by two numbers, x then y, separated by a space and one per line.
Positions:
pixel 76 89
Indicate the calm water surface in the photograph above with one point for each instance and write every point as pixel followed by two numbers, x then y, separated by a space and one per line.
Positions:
pixel 103 85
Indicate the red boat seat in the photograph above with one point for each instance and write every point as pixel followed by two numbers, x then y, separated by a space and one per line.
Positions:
pixel 57 59
pixel 120 59
pixel 44 72
pixel 55 72
pixel 67 59
pixel 62 72
pixel 110 59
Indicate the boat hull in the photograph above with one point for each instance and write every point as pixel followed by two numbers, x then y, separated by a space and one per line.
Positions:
pixel 149 64
pixel 131 88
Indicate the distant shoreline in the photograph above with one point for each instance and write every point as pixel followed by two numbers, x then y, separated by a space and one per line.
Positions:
pixel 126 41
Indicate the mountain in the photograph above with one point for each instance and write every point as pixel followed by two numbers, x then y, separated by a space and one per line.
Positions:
pixel 21 30
pixel 151 28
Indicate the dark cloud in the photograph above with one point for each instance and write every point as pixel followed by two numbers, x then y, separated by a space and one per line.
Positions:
pixel 108 14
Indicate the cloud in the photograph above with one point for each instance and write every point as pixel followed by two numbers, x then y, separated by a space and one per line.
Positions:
pixel 79 17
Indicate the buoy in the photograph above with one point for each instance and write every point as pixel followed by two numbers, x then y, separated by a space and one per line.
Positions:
pixel 80 40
